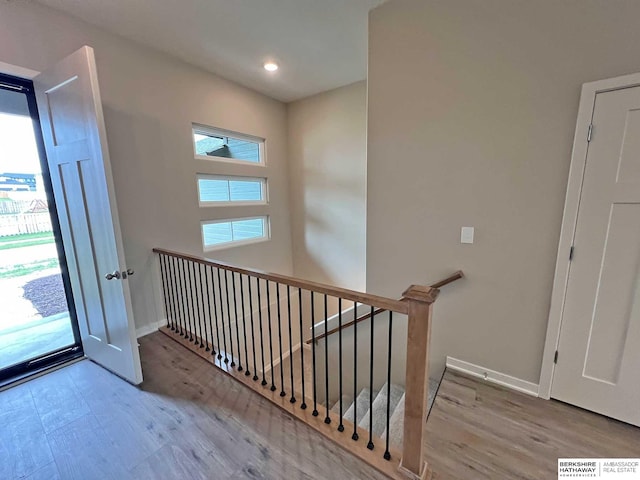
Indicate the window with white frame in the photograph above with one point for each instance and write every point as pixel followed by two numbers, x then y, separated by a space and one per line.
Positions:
pixel 231 191
pixel 225 146
pixel 221 190
pixel 239 231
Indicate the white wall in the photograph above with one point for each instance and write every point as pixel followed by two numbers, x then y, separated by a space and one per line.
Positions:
pixel 471 115
pixel 150 101
pixel 327 155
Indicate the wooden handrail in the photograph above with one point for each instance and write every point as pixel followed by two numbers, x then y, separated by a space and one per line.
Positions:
pixel 445 281
pixel 360 297
pixel 450 279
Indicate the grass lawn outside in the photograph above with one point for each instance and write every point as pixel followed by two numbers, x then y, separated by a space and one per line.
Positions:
pixel 12 271
pixel 26 240
pixel 22 263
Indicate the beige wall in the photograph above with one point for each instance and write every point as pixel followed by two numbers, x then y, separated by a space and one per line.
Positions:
pixel 472 110
pixel 150 101
pixel 327 155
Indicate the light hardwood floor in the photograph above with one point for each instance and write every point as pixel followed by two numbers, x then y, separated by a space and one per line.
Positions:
pixel 190 422
pixel 477 430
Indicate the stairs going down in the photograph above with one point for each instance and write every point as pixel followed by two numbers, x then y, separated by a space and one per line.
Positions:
pixel 379 410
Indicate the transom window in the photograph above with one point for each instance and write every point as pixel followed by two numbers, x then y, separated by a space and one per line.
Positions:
pixel 223 190
pixel 223 233
pixel 222 145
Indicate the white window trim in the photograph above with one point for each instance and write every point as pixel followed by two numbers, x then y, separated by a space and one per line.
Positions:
pixel 218 132
pixel 236 243
pixel 232 203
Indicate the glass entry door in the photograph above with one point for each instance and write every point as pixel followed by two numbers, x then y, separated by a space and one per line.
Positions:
pixel 38 326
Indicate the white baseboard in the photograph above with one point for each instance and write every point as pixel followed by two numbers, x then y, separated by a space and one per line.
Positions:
pixel 148 329
pixel 492 376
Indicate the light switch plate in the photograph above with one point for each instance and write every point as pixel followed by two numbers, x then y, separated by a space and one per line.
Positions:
pixel 466 235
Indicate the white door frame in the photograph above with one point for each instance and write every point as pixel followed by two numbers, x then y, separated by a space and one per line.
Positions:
pixel 570 218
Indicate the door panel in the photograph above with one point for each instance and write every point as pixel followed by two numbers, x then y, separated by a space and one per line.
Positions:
pixel 75 140
pixel 598 362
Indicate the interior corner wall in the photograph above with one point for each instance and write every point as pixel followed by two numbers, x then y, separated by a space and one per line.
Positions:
pixel 150 101
pixel 471 115
pixel 327 164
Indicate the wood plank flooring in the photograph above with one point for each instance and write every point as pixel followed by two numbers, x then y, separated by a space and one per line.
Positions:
pixel 477 430
pixel 190 422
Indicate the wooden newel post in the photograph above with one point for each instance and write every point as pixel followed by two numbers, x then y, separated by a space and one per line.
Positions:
pixel 420 300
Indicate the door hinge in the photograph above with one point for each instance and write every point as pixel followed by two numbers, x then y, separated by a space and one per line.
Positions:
pixel 571 254
pixel 589 133
pixel 555 357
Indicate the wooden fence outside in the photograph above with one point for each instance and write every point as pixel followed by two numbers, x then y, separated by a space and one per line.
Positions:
pixel 23 223
pixel 15 206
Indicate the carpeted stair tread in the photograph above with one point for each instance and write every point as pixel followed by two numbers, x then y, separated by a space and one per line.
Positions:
pixel 362 404
pixel 379 408
pixel 396 424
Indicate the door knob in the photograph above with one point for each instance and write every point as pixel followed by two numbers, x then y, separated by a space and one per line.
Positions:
pixel 111 276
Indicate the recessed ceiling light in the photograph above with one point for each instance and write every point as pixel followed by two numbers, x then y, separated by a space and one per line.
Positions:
pixel 271 66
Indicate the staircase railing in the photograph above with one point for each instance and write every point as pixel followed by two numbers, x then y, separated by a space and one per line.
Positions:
pixel 207 303
pixel 446 281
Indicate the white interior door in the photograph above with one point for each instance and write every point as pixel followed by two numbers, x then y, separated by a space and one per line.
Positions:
pixel 75 140
pixel 598 365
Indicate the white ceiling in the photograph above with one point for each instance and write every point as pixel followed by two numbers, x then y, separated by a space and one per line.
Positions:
pixel 319 44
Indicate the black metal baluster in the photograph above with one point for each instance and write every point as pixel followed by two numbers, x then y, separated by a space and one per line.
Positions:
pixel 199 301
pixel 293 396
pixel 189 299
pixel 215 313
pixel 235 312
pixel 244 328
pixel 166 290
pixel 204 311
pixel 172 296
pixel 171 323
pixel 224 335
pixel 370 444
pixel 264 380
pixel 209 316
pixel 355 435
pixel 387 455
pixel 253 333
pixel 179 296
pixel 341 426
pixel 226 291
pixel 313 354
pixel 303 405
pixel 273 384
pixel 282 393
pixel 327 419
pixel 187 303
pixel 194 332
pixel 194 302
pixel 163 277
